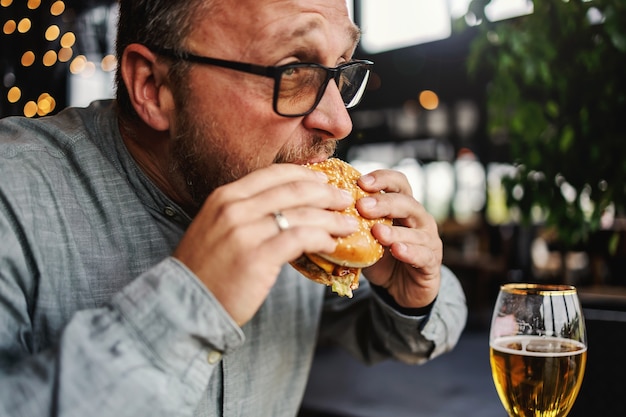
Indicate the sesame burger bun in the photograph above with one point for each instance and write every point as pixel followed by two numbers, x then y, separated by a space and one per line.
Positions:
pixel 341 269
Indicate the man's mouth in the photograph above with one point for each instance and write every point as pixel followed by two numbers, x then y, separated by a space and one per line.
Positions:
pixel 317 159
pixel 319 150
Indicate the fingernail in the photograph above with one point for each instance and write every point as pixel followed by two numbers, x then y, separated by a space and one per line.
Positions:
pixel 346 195
pixel 385 231
pixel 401 248
pixel 367 202
pixel 367 179
pixel 352 221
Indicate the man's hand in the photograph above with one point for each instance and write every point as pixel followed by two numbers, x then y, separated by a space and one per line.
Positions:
pixel 235 246
pixel 410 270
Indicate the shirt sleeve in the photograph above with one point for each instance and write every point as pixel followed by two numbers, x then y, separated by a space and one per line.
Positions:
pixel 372 330
pixel 157 343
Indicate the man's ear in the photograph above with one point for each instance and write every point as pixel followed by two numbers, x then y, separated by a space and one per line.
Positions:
pixel 145 78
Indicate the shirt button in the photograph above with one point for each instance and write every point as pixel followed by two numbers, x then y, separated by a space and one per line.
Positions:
pixel 213 357
pixel 170 212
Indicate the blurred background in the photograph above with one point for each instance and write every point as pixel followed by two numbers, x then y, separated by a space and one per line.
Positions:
pixel 507 116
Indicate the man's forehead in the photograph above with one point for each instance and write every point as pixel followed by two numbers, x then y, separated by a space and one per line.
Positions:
pixel 261 13
pixel 256 22
pixel 347 30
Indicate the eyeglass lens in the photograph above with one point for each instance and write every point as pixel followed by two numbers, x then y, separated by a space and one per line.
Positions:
pixel 301 88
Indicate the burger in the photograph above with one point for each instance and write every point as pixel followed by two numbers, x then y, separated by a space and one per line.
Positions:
pixel 341 269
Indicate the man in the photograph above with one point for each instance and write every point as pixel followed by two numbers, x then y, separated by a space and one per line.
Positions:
pixel 142 271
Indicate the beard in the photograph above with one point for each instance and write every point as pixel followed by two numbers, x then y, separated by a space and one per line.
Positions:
pixel 204 160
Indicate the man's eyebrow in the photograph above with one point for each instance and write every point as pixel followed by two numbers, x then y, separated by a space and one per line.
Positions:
pixel 302 30
pixel 353 31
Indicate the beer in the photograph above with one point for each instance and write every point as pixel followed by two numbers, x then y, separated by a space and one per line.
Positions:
pixel 537 376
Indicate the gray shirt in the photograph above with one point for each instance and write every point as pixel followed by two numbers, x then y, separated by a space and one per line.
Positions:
pixel 96 317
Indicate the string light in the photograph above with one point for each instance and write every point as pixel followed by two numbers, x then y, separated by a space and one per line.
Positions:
pixel 31 23
pixel 58 51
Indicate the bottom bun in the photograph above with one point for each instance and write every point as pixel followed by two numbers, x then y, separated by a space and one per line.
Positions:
pixel 342 280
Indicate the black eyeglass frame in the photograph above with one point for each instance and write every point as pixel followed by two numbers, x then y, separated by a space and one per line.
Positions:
pixel 274 72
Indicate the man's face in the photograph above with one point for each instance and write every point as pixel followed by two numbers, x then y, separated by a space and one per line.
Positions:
pixel 225 127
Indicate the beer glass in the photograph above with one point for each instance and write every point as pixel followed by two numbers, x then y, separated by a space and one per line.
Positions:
pixel 537 349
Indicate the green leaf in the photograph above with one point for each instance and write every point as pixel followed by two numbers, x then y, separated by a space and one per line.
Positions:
pixel 567 138
pixel 552 109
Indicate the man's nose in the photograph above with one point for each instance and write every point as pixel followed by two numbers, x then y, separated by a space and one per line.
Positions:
pixel 330 115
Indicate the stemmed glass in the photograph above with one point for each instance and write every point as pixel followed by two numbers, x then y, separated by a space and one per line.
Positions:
pixel 537 349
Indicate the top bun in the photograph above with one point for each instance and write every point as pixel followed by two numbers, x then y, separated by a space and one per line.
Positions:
pixel 360 249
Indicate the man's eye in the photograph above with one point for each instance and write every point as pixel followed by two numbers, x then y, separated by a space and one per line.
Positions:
pixel 289 71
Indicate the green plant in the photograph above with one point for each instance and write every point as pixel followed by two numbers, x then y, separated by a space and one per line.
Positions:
pixel 557 93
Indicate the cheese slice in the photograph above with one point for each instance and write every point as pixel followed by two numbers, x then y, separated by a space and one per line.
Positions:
pixel 344 278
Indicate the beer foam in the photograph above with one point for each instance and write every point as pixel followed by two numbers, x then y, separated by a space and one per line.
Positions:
pixel 539 346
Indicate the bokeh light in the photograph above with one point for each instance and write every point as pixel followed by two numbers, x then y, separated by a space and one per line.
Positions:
pixel 78 64
pixel 24 25
pixel 89 70
pixel 43 55
pixel 14 94
pixel 33 4
pixel 9 27
pixel 429 100
pixel 45 104
pixel 37 50
pixel 108 63
pixel 28 58
pixel 30 109
pixel 52 33
pixel 65 54
pixel 68 40
pixel 50 58
pixel 57 8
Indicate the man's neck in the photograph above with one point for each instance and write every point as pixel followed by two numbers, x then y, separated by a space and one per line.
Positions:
pixel 151 151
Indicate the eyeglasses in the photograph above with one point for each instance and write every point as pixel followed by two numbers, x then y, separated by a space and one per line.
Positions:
pixel 298 87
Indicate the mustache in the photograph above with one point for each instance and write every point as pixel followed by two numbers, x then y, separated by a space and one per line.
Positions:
pixel 317 146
